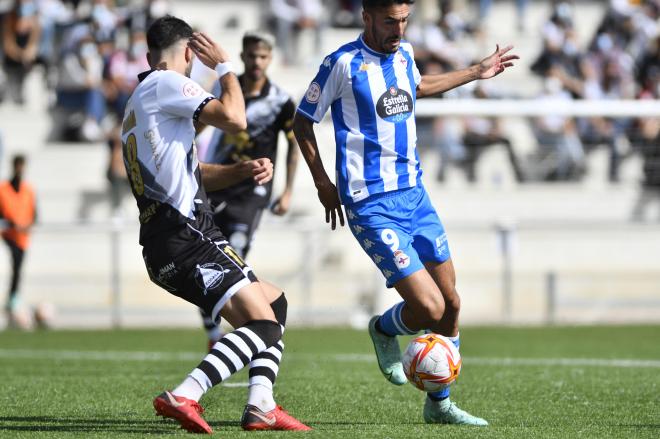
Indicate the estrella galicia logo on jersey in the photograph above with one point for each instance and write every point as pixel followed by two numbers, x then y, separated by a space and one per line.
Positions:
pixel 395 105
pixel 209 276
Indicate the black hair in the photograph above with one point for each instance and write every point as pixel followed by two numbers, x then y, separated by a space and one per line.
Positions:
pixel 373 4
pixel 258 37
pixel 18 160
pixel 167 31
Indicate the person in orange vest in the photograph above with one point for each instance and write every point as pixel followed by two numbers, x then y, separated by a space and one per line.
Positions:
pixel 18 213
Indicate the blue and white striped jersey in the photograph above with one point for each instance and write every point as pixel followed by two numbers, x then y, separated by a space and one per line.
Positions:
pixel 372 100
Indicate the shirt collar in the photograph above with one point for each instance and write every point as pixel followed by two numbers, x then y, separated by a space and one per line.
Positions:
pixel 142 76
pixel 373 52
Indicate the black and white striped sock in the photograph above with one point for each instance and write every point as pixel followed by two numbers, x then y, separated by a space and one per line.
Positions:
pixel 234 351
pixel 265 366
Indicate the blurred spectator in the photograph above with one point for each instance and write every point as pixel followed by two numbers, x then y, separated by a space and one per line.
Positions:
pixel 478 133
pixel 105 19
pixel 649 145
pixel 348 14
pixel 121 78
pixel 20 41
pixel 560 46
pixel 435 41
pixel 557 135
pixel 18 211
pixel 80 100
pixel 291 17
pixel 123 68
pixel 52 13
pixel 521 10
pixel 596 131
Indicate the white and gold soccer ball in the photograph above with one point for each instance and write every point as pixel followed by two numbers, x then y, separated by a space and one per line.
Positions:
pixel 431 362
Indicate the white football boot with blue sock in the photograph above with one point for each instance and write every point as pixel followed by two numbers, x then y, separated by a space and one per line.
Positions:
pixel 383 331
pixel 438 409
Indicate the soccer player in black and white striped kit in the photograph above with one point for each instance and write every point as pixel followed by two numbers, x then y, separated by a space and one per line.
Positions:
pixel 184 252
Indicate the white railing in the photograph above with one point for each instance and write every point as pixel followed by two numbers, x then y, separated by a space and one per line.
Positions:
pixel 537 107
pixel 327 261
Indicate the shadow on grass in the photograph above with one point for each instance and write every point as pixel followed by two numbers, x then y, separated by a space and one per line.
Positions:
pixel 64 424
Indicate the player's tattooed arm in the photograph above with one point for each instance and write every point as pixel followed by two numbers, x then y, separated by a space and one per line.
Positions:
pixel 493 65
pixel 228 111
pixel 217 176
pixel 303 129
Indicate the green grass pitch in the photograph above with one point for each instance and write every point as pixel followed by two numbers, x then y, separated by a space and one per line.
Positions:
pixel 563 382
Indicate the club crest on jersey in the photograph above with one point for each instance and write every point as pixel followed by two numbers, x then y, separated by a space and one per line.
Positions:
pixel 401 259
pixel 209 276
pixel 395 105
pixel 313 93
pixel 191 89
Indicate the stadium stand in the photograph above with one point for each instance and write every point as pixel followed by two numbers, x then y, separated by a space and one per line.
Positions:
pixel 578 229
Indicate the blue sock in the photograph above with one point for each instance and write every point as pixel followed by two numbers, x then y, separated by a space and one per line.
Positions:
pixel 444 393
pixel 390 322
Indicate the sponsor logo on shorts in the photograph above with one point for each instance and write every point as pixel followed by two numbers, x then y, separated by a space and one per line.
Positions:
pixel 313 93
pixel 441 244
pixel 209 276
pixel 401 259
pixel 167 272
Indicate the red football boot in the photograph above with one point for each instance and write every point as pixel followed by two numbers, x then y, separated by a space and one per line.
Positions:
pixel 184 410
pixel 276 419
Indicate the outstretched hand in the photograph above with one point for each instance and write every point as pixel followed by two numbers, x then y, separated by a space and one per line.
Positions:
pixel 208 51
pixel 330 199
pixel 496 63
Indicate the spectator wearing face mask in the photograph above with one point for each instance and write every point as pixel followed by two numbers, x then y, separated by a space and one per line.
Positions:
pixel 79 94
pixel 20 43
pixel 557 135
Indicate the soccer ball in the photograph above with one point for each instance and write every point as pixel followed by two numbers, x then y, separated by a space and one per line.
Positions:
pixel 431 362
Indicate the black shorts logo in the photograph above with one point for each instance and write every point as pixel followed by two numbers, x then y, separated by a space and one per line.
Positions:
pixel 209 276
pixel 395 105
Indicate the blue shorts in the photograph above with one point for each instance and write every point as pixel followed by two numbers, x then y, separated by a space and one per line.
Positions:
pixel 400 231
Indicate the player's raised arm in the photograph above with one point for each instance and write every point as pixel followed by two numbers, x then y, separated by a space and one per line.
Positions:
pixel 228 111
pixel 489 67
pixel 303 128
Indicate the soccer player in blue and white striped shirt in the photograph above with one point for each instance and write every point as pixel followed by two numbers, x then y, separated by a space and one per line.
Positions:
pixel 371 86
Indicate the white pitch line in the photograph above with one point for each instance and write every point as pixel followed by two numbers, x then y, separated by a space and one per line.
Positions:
pixel 45 354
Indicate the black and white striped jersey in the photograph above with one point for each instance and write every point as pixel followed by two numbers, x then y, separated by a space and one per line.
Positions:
pixel 160 154
pixel 267 114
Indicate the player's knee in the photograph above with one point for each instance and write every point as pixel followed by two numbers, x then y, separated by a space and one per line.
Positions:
pixel 280 306
pixel 268 331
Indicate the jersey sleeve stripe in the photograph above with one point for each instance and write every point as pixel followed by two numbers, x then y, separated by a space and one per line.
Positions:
pixel 307 115
pixel 201 106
